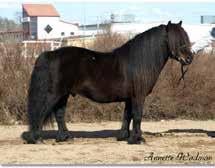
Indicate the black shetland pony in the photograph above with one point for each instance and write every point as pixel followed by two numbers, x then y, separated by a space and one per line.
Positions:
pixel 127 74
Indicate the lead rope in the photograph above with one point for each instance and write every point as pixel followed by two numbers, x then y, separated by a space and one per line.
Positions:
pixel 183 72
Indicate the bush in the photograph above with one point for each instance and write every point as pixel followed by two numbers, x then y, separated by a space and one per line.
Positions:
pixel 15 73
pixel 192 99
pixel 167 101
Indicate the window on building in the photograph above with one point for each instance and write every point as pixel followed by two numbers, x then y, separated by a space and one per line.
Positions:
pixel 62 33
pixel 72 33
pixel 34 36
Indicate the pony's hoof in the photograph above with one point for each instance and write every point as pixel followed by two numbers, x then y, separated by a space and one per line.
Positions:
pixel 39 141
pixel 136 138
pixel 132 140
pixel 31 138
pixel 123 135
pixel 63 136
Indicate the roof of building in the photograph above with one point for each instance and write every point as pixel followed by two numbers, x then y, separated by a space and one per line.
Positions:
pixel 40 10
pixel 71 23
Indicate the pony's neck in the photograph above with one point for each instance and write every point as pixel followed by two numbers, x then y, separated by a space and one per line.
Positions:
pixel 147 55
pixel 160 52
pixel 157 64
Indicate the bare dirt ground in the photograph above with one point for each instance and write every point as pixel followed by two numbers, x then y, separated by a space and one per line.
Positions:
pixel 167 142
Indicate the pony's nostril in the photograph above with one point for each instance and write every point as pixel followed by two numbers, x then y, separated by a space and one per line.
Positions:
pixel 189 59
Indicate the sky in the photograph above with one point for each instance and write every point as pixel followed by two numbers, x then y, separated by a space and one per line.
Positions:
pixel 95 12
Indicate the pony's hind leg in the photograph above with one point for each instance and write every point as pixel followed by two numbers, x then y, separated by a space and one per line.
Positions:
pixel 60 109
pixel 34 136
pixel 124 131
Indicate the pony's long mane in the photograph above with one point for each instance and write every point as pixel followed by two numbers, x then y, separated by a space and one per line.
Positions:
pixel 146 55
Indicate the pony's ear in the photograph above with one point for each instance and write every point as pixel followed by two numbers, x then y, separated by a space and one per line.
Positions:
pixel 180 23
pixel 168 24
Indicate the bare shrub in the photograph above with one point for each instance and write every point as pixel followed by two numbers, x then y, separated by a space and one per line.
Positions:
pixel 167 101
pixel 83 109
pixel 192 99
pixel 108 40
pixel 15 72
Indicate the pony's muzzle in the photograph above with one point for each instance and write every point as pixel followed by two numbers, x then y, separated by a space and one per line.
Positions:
pixel 189 59
pixel 186 61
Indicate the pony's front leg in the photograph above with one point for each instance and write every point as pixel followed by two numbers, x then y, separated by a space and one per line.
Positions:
pixel 136 133
pixel 124 131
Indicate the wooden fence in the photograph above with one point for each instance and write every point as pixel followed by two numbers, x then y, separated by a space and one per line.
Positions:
pixel 34 48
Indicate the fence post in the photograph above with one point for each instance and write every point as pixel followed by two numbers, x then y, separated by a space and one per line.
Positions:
pixel 25 49
pixel 52 45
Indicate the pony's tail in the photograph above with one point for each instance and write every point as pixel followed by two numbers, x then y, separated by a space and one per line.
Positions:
pixel 37 93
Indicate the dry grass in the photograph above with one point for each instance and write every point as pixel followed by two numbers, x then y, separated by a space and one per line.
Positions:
pixel 168 100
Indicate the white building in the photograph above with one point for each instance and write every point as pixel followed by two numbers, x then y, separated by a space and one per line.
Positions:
pixel 42 21
pixel 202 35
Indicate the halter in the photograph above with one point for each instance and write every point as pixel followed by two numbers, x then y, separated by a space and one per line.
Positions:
pixel 176 57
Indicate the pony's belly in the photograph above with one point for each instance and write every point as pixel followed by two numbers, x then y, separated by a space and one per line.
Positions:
pixel 106 96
